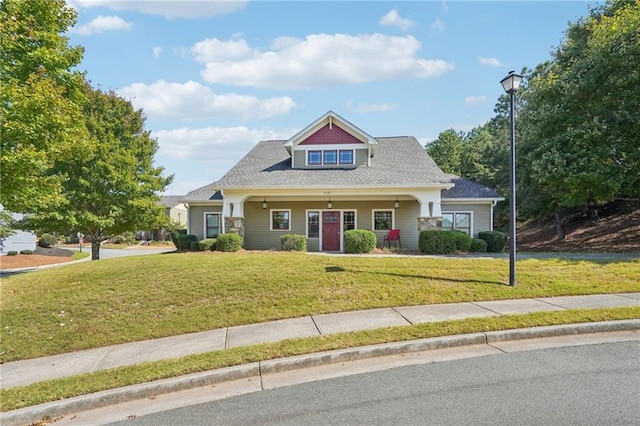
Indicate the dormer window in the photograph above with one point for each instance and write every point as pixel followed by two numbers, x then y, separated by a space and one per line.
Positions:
pixel 330 157
pixel 346 156
pixel 314 158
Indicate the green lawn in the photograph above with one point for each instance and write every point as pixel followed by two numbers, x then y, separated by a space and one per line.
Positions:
pixel 128 299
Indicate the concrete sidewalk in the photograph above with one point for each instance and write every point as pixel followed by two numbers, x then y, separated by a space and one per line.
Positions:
pixel 21 373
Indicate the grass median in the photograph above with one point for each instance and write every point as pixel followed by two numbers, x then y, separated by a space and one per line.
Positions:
pixel 114 301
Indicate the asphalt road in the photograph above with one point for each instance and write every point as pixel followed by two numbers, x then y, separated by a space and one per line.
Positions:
pixel 596 384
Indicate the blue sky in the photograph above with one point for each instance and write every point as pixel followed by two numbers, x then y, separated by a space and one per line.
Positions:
pixel 215 78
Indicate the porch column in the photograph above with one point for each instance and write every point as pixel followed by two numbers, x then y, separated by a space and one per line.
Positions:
pixel 428 223
pixel 234 225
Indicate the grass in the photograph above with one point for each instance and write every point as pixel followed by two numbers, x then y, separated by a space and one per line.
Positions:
pixel 79 255
pixel 53 390
pixel 129 299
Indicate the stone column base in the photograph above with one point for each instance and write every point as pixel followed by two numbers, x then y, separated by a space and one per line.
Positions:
pixel 234 225
pixel 429 223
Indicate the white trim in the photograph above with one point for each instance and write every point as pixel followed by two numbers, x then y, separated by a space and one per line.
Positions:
pixel 336 148
pixel 220 223
pixel 469 212
pixel 271 219
pixel 306 223
pixel 373 216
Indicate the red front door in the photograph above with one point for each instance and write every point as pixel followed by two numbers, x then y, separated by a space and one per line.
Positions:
pixel 331 231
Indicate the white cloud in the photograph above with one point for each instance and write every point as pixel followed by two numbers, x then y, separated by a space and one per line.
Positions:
pixel 490 62
pixel 438 25
pixel 220 146
pixel 363 108
pixel 393 19
pixel 157 51
pixel 475 100
pixel 101 24
pixel 194 101
pixel 319 60
pixel 187 9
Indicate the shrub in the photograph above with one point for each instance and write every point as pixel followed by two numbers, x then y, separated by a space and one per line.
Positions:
pixel 123 238
pixel 463 240
pixel 195 246
pixel 47 241
pixel 26 251
pixel 478 246
pixel 437 241
pixel 496 240
pixel 359 241
pixel 208 244
pixel 293 242
pixel 175 234
pixel 184 241
pixel 12 253
pixel 228 242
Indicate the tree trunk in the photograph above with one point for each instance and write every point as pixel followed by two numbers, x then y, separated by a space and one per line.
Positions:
pixel 95 249
pixel 560 229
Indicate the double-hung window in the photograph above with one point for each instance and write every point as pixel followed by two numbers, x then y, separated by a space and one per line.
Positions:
pixel 457 220
pixel 382 220
pixel 280 220
pixel 314 158
pixel 346 156
pixel 313 224
pixel 330 157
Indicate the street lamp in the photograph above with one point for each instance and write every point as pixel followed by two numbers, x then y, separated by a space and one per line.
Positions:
pixel 511 83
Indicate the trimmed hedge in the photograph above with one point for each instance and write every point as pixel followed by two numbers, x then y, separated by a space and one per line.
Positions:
pixel 293 242
pixel 359 241
pixel 195 246
pixel 496 240
pixel 207 244
pixel 463 240
pixel 175 234
pixel 183 242
pixel 228 242
pixel 26 251
pixel 47 241
pixel 12 253
pixel 437 241
pixel 478 246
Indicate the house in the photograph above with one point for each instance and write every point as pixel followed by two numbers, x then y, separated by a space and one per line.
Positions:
pixel 174 209
pixel 18 240
pixel 332 177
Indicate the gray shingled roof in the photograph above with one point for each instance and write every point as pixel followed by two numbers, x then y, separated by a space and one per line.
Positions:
pixel 398 162
pixel 170 201
pixel 466 188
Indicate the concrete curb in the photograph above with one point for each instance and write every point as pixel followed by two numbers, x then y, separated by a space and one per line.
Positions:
pixel 54 409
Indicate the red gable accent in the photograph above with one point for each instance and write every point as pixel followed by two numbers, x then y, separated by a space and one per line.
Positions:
pixel 330 136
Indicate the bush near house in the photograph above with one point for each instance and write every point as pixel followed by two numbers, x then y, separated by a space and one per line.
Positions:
pixel 359 241
pixel 175 234
pixel 228 242
pixel 183 242
pixel 195 246
pixel 208 244
pixel 47 241
pixel 478 246
pixel 26 251
pixel 437 241
pixel 496 240
pixel 463 240
pixel 12 253
pixel 293 242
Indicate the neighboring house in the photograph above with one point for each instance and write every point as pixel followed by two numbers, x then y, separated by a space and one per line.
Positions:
pixel 331 177
pixel 19 240
pixel 174 209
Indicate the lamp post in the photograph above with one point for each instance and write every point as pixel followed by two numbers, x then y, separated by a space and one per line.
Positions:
pixel 511 83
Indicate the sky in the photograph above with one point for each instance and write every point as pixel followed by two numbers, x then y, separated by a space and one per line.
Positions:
pixel 214 78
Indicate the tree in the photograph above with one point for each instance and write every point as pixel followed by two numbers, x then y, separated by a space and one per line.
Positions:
pixel 40 97
pixel 446 149
pixel 581 120
pixel 113 188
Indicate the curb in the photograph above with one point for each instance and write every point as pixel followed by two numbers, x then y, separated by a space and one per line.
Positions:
pixel 68 406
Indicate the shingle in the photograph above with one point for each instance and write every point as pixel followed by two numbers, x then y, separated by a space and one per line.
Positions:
pixel 465 188
pixel 398 161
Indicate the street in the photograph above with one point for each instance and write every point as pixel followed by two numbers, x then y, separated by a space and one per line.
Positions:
pixel 594 384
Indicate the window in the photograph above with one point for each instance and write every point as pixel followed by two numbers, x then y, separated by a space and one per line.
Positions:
pixel 346 156
pixel 458 220
pixel 314 158
pixel 313 224
pixel 382 220
pixel 330 157
pixel 212 225
pixel 349 220
pixel 280 220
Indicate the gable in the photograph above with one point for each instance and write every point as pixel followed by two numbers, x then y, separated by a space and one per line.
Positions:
pixel 330 134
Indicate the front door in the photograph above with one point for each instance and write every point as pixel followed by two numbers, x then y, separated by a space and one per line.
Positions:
pixel 331 231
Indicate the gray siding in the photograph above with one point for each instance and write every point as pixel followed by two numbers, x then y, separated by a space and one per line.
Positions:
pixel 196 218
pixel 258 235
pixel 481 215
